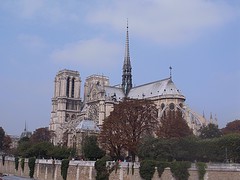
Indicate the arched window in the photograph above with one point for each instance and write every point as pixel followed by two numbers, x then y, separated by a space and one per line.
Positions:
pixel 73 116
pixel 67 90
pixel 171 106
pixel 162 106
pixel 72 93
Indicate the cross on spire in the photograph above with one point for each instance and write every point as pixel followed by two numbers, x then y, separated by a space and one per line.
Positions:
pixel 170 68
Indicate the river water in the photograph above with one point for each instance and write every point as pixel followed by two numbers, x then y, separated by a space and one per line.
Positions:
pixel 14 178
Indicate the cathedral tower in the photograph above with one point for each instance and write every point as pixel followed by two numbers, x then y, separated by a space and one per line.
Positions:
pixel 66 101
pixel 127 69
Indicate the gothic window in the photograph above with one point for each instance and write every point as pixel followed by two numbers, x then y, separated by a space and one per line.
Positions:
pixel 67 117
pixel 171 106
pixel 73 116
pixel 72 93
pixel 162 106
pixel 68 84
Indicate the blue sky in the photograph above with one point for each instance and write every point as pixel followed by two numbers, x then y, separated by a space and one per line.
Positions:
pixel 200 39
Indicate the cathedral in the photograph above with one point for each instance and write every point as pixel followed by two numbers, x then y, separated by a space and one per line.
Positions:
pixel 73 117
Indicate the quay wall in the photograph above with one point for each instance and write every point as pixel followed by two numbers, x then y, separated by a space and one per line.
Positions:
pixel 84 170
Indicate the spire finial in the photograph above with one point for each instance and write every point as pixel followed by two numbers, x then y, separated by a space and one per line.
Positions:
pixel 25 128
pixel 170 68
pixel 211 118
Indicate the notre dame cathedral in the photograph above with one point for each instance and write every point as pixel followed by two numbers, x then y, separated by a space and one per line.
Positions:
pixel 72 116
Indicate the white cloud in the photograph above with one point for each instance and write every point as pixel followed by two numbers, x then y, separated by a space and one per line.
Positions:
pixel 165 21
pixel 50 11
pixel 88 53
pixel 31 41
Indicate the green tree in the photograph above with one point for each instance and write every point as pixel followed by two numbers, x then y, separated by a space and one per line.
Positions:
pixel 102 169
pixel 2 135
pixel 179 170
pixel 147 169
pixel 40 150
pixel 91 149
pixel 184 149
pixel 61 152
pixel 24 145
pixel 64 168
pixel 156 149
pixel 210 131
pixel 228 148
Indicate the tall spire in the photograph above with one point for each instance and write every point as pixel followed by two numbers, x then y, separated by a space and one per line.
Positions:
pixel 127 69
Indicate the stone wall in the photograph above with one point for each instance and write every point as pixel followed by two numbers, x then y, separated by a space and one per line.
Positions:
pixel 84 170
pixel 51 170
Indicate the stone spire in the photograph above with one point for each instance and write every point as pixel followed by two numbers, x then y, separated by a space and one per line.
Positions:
pixel 127 75
pixel 211 118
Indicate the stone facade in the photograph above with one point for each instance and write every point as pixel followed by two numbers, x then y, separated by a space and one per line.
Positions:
pixel 66 102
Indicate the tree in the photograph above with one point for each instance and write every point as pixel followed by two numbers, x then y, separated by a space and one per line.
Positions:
pixel 155 149
pixel 40 150
pixel 173 125
pixel 7 143
pixel 40 135
pixel 209 131
pixel 2 135
pixel 127 124
pixel 232 127
pixel 91 149
pixel 24 145
pixel 111 138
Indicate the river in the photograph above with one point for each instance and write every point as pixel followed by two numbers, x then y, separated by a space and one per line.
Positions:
pixel 13 178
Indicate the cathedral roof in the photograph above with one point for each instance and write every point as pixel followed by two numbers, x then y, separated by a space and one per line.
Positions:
pixel 88 125
pixel 111 91
pixel 26 134
pixel 164 87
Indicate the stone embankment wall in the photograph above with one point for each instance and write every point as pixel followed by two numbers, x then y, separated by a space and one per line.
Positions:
pixel 84 170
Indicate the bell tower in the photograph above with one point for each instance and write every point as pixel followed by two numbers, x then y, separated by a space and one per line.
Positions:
pixel 66 102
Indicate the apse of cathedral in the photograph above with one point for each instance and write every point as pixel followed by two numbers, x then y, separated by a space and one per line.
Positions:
pixel 72 117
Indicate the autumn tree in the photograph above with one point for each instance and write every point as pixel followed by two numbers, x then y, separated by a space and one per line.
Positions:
pixel 5 141
pixel 41 135
pixel 232 127
pixel 173 125
pixel 126 125
pixel 209 131
pixel 110 137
